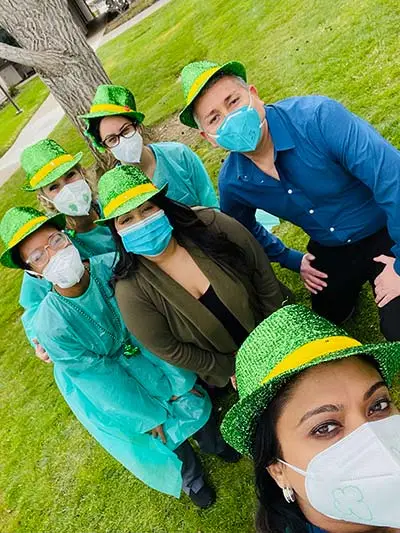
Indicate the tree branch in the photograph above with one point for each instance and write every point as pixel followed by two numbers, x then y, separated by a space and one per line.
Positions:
pixel 39 60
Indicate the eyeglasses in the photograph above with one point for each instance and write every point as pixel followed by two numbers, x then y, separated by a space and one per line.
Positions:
pixel 40 257
pixel 127 132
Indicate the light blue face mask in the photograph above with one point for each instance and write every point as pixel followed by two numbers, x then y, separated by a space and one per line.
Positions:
pixel 241 130
pixel 150 237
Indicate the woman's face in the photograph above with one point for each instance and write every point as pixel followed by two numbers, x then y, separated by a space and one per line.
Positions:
pixel 37 249
pixel 51 190
pixel 327 403
pixel 112 128
pixel 135 216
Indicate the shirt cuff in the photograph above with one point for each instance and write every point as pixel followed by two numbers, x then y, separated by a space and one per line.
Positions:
pixel 396 266
pixel 291 259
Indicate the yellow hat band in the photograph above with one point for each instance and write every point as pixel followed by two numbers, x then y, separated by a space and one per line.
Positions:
pixel 112 108
pixel 49 167
pixel 309 352
pixel 199 81
pixel 126 196
pixel 24 230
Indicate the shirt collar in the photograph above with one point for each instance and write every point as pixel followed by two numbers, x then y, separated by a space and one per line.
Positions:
pixel 281 137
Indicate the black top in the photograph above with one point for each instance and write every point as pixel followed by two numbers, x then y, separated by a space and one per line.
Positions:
pixel 235 329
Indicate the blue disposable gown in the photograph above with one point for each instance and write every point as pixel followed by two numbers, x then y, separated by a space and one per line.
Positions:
pixel 118 398
pixel 94 242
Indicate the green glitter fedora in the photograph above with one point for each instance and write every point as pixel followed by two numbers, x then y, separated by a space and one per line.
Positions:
pixel 45 162
pixel 195 77
pixel 287 342
pixel 124 188
pixel 18 223
pixel 110 100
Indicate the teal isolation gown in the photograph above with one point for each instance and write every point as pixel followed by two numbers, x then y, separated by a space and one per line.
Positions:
pixel 117 396
pixel 94 242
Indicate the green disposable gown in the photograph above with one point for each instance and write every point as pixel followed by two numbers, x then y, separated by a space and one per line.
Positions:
pixel 119 397
pixel 97 241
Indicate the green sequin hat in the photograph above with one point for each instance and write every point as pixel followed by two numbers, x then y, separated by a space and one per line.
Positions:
pixel 45 162
pixel 195 77
pixel 289 341
pixel 122 189
pixel 110 100
pixel 18 223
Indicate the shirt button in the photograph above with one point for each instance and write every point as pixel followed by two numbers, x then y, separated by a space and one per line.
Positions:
pixel 290 191
pixel 311 211
pixel 332 229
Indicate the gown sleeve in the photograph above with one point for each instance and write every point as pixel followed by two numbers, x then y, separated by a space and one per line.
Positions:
pixel 202 186
pixel 33 291
pixel 104 390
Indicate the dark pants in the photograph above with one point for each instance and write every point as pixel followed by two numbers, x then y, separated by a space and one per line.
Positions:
pixel 210 440
pixel 348 268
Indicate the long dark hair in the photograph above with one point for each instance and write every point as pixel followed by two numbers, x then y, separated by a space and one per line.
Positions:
pixel 186 224
pixel 274 514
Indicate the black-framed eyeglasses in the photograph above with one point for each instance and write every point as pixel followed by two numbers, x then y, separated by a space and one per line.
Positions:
pixel 128 131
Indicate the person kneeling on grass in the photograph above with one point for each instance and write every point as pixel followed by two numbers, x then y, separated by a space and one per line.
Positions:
pixel 139 408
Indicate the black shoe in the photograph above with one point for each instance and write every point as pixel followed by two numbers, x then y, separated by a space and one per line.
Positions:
pixel 229 455
pixel 204 498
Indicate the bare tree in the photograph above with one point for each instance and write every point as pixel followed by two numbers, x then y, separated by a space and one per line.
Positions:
pixel 55 46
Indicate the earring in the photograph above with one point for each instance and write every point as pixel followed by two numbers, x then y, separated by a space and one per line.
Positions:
pixel 288 494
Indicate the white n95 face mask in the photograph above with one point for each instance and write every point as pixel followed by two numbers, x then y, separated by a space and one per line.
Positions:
pixel 357 479
pixel 74 199
pixel 129 149
pixel 65 269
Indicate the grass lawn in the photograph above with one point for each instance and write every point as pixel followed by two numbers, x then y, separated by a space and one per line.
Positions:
pixel 29 98
pixel 53 477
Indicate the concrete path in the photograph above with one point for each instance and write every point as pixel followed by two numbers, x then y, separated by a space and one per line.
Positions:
pixel 135 20
pixel 50 112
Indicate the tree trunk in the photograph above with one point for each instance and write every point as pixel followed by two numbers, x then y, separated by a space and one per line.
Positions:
pixel 55 46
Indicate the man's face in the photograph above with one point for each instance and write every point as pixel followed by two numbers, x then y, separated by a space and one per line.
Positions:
pixel 221 99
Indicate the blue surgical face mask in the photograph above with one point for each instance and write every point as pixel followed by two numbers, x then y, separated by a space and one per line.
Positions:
pixel 149 237
pixel 241 130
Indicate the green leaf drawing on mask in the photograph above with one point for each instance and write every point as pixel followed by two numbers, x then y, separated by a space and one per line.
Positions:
pixel 349 501
pixel 73 207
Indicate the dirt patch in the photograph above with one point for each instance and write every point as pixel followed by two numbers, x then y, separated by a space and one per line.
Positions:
pixel 172 129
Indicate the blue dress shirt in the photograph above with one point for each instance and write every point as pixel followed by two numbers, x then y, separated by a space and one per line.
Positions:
pixel 339 178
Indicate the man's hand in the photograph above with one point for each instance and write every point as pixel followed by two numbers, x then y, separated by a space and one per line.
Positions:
pixel 233 381
pixel 40 352
pixel 158 431
pixel 313 279
pixel 387 284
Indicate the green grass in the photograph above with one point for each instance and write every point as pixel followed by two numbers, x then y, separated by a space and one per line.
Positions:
pixel 53 477
pixel 29 98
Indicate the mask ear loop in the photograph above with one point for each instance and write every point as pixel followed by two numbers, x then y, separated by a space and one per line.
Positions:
pixel 294 468
pixel 33 273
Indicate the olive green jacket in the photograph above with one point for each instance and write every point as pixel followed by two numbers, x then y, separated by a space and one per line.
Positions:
pixel 175 326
